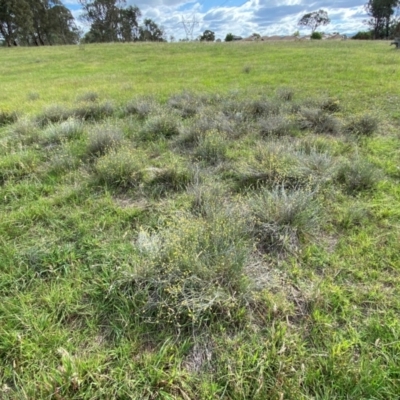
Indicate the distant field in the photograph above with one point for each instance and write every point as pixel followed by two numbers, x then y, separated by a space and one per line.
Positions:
pixel 360 73
pixel 200 221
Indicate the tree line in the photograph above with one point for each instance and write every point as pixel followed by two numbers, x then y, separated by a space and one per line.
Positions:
pixel 113 21
pixel 48 22
pixel 383 22
pixel 36 22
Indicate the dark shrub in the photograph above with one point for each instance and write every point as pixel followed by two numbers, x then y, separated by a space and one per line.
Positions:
pixel 316 36
pixel 363 35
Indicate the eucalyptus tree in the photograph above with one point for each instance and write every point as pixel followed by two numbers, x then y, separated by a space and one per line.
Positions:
pixel 129 29
pixel 37 22
pixel 381 14
pixel 207 36
pixel 151 32
pixel 110 20
pixel 15 20
pixel 314 19
pixel 52 23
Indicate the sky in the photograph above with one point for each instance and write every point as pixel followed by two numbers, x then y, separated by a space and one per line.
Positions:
pixel 242 18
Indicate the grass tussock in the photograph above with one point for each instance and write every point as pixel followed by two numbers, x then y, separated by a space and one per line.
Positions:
pixel 318 166
pixel 314 144
pixel 174 177
pixel 7 117
pixel 189 274
pixel 319 121
pixel 276 125
pixel 93 111
pixel 247 69
pixel 87 97
pixel 33 96
pixel 285 93
pixel 207 124
pixel 102 138
pixel 364 125
pixel 85 111
pixel 358 175
pixel 211 148
pixel 54 114
pixel 26 130
pixel 160 126
pixel 141 107
pixel 186 103
pixel 283 218
pixel 66 130
pixel 355 216
pixel 329 104
pixel 122 168
pixel 256 108
pixel 206 199
pixel 271 163
pixel 63 162
pixel 18 165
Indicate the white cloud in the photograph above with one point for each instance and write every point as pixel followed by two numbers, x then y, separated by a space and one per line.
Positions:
pixel 267 17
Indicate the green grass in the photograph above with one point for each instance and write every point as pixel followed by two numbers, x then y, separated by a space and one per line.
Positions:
pixel 175 225
pixel 355 72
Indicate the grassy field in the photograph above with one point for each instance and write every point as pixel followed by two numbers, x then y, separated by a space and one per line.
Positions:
pixel 200 221
pixel 360 73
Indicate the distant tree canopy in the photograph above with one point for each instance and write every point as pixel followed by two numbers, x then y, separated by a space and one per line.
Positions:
pixel 362 35
pixel 314 19
pixel 112 21
pixel 151 32
pixel 38 22
pixel 382 21
pixel 207 36
pixel 229 37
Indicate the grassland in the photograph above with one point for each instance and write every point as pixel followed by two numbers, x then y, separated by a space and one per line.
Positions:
pixel 356 72
pixel 200 221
